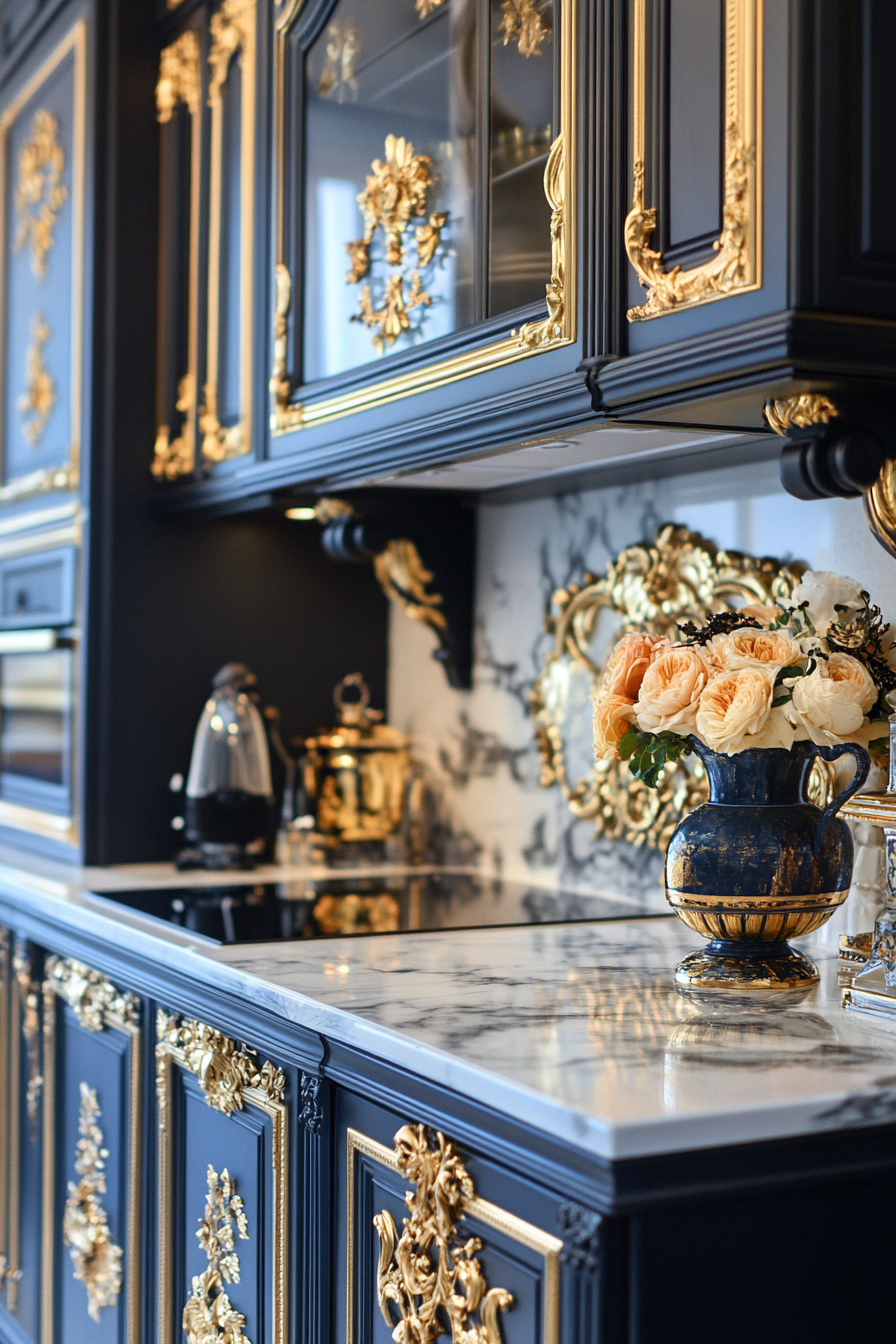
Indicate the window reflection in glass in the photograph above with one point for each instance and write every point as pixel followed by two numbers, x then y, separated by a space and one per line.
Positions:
pixel 521 118
pixel 35 703
pixel 391 83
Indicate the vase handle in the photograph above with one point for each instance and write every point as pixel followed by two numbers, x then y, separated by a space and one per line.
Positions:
pixel 863 765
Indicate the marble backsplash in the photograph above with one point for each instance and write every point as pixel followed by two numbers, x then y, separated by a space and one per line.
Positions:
pixel 478 748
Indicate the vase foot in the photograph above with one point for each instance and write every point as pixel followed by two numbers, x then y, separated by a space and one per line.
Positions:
pixel 727 965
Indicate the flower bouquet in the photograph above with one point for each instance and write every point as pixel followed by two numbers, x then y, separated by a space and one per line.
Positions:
pixel 756 694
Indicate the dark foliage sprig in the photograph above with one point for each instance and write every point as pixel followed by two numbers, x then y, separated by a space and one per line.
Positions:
pixel 717 623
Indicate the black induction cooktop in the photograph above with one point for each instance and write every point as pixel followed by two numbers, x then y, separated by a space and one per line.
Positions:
pixel 338 907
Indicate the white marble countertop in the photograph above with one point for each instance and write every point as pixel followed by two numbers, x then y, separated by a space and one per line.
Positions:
pixel 577 1029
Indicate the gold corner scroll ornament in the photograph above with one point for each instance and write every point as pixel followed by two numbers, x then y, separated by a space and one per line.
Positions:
pixel 525 22
pixel 534 335
pixel 285 415
pixel 404 579
pixel 737 264
pixel 209 1317
pixel 180 82
pixel 29 1000
pixel 653 587
pixel 40 193
pixel 37 401
pixel 799 412
pixel 395 195
pixel 431 1269
pixel 232 1078
pixel 85 1224
pixel 232 33
pixel 90 995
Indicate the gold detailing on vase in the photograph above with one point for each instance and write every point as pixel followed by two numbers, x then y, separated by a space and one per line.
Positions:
pixel 85 1224
pixel 179 77
pixel 224 1070
pixel 527 23
pixel 90 995
pixel 284 414
pixel 342 51
pixel 29 1001
pixel 737 264
pixel 209 1317
pixel 430 1275
pixel 430 1269
pixel 537 334
pixel 41 193
pixel 801 412
pixel 680 576
pixel 39 397
pixel 232 1079
pixel 404 579
pixel 395 196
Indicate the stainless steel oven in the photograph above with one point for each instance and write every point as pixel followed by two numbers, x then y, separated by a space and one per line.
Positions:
pixel 38 692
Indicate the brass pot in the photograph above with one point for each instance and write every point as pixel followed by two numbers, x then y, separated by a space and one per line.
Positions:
pixel 356 774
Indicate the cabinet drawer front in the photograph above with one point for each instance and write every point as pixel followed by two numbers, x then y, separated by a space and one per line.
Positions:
pixel 223 1142
pixel 38 589
pixel 91 1206
pixel 418 1239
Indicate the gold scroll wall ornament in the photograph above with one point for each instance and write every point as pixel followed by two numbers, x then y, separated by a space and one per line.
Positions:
pixel 209 1317
pixel 85 1225
pixel 224 1070
pixel 736 266
pixel 534 335
pixel 430 1273
pixel 40 193
pixel 405 579
pixel 89 994
pixel 37 401
pixel 394 198
pixel 652 587
pixel 29 1001
pixel 800 412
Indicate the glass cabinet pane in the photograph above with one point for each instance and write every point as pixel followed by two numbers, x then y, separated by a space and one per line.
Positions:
pixel 391 114
pixel 521 130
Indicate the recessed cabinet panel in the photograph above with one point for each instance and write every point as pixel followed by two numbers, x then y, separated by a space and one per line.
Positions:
pixel 696 80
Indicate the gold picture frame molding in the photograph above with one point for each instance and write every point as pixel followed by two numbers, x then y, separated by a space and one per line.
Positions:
pixel 67 476
pixel 532 339
pixel 490 1215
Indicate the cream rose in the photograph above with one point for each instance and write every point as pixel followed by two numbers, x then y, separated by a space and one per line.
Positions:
pixel 825 591
pixel 734 709
pixel 613 716
pixel 830 704
pixel 670 690
pixel 624 669
pixel 761 612
pixel 754 648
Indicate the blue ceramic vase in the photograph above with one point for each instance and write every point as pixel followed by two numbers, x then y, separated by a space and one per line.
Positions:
pixel 759 864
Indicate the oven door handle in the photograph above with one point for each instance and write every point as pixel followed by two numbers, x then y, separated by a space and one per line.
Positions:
pixel 33 641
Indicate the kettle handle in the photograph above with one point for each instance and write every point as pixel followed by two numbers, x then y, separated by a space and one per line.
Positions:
pixel 863 765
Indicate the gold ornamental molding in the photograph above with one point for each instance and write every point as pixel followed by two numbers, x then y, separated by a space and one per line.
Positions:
pixel 232 1077
pixel 85 1225
pixel 180 83
pixel 8 1185
pixel 37 201
pixel 737 264
pixel 405 580
pixel 653 587
pixel 37 401
pixel 558 329
pixel 799 412
pixel 232 31
pixel 28 984
pixel 98 1006
pixel 430 1273
pixel 209 1317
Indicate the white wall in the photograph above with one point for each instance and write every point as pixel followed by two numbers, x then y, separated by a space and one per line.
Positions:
pixel 480 745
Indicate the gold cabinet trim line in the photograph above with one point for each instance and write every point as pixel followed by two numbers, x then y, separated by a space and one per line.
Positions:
pixel 490 1215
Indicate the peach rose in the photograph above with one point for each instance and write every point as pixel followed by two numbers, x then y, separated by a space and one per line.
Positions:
pixel 624 669
pixel 613 716
pixel 670 690
pixel 754 648
pixel 760 612
pixel 734 709
pixel 830 704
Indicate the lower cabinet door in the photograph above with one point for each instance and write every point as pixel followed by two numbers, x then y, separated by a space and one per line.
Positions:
pixel 91 1205
pixel 437 1239
pixel 223 1189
